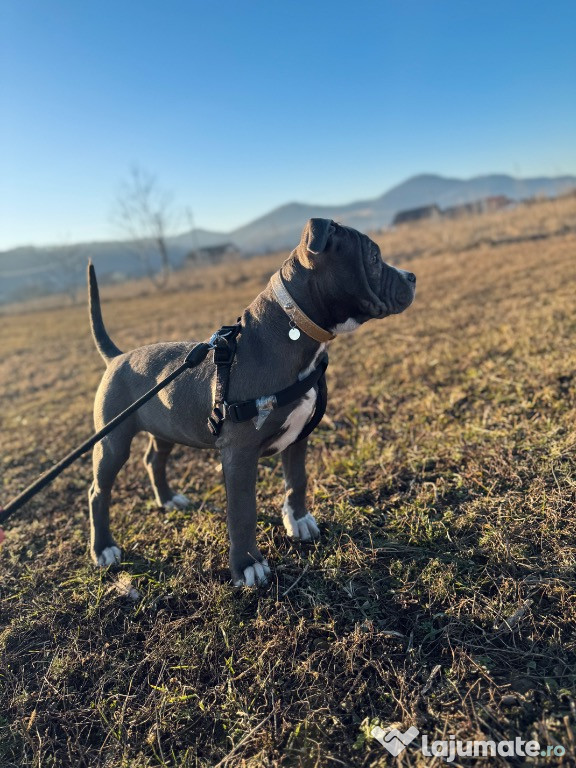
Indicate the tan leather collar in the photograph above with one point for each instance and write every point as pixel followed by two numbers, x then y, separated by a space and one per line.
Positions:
pixel 294 312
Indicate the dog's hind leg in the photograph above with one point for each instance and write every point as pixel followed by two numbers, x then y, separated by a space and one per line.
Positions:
pixel 299 523
pixel 108 458
pixel 155 460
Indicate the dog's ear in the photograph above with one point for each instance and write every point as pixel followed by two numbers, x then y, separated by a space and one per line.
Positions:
pixel 314 239
pixel 316 234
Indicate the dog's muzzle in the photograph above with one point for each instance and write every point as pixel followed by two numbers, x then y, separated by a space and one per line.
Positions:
pixel 405 289
pixel 397 290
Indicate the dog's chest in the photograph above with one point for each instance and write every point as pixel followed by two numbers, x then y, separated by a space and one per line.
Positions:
pixel 301 415
pixel 295 421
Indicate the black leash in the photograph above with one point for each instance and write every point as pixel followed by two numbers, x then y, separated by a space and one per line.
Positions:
pixel 223 342
pixel 192 359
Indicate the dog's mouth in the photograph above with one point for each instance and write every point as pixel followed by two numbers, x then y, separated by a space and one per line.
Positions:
pixel 404 291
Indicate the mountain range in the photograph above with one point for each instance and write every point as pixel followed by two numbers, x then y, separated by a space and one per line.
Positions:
pixel 29 271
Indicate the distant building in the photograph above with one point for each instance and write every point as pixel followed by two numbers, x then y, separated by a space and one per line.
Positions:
pixel 417 214
pixel 496 202
pixel 485 205
pixel 214 254
pixel 465 209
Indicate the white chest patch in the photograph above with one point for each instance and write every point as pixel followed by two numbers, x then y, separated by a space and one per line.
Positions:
pixel 300 416
pixel 296 421
pixel 346 327
pixel 317 356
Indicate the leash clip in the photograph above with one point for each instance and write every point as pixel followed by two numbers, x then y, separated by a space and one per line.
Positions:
pixel 223 342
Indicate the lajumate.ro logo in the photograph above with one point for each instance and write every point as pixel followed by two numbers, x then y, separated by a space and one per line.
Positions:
pixel 396 741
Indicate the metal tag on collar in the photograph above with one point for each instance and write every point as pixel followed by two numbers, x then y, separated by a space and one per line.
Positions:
pixel 294 333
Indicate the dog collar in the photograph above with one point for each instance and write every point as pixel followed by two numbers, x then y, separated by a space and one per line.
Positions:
pixel 296 315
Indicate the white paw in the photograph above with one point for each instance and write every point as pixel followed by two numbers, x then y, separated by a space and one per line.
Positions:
pixel 178 501
pixel 305 528
pixel 110 556
pixel 254 575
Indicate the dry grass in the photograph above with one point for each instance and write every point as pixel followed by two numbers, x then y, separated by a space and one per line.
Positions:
pixel 441 595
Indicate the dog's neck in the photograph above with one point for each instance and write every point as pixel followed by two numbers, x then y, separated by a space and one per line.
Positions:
pixel 304 290
pixel 300 322
pixel 265 320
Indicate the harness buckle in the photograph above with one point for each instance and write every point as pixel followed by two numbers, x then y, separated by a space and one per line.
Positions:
pixel 232 413
pixel 224 344
pixel 223 351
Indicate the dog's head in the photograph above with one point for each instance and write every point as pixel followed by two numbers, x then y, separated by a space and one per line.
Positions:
pixel 353 283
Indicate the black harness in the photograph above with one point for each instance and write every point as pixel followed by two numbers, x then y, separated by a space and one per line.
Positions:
pixel 224 343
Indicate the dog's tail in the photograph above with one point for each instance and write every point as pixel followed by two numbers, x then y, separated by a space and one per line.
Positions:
pixel 104 343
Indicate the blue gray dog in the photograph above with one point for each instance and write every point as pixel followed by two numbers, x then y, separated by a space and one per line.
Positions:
pixel 334 281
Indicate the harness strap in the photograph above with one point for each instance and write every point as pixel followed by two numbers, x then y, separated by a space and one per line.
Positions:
pixel 224 343
pixel 248 409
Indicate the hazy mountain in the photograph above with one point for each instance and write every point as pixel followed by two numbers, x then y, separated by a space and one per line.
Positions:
pixel 27 272
pixel 281 227
pixel 30 271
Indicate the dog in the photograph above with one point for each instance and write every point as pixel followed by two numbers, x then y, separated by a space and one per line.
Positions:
pixel 332 283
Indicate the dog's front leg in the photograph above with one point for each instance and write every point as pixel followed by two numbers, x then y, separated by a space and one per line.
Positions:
pixel 247 564
pixel 299 523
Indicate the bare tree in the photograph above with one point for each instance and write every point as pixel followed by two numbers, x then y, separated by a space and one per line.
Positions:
pixel 146 214
pixel 68 269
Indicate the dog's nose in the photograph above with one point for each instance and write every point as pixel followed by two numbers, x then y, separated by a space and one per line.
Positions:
pixel 411 277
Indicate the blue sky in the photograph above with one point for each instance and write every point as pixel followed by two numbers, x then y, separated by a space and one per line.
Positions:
pixel 238 106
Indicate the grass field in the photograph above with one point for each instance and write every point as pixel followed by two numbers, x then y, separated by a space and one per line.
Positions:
pixel 442 593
